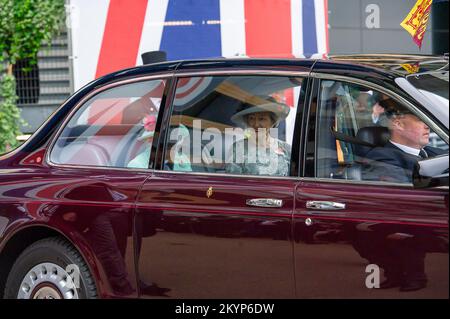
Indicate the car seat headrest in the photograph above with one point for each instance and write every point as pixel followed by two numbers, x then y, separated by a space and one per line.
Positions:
pixel 375 135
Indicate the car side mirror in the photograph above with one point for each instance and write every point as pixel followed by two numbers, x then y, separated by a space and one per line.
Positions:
pixel 431 172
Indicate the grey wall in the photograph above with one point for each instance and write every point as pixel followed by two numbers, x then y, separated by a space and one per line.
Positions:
pixel 55 83
pixel 349 33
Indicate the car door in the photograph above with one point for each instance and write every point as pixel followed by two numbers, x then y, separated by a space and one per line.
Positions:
pixel 348 231
pixel 96 167
pixel 202 231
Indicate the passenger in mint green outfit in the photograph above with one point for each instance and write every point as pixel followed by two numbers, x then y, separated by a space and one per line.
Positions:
pixel 143 158
pixel 181 162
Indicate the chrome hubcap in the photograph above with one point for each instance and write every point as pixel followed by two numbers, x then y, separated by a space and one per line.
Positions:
pixel 47 281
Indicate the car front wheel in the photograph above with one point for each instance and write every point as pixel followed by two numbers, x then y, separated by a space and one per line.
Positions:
pixel 50 268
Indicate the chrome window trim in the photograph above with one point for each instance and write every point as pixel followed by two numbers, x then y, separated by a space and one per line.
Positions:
pixel 326 76
pixel 104 168
pixel 408 186
pixel 250 72
pixel 293 178
pixel 299 179
pixel 163 76
pixel 355 182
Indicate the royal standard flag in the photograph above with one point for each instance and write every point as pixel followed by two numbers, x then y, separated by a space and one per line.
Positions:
pixel 411 68
pixel 417 20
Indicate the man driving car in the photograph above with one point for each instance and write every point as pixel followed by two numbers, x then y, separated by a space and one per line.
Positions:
pixel 394 162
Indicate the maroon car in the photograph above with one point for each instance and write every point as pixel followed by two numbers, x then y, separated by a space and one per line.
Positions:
pixel 137 186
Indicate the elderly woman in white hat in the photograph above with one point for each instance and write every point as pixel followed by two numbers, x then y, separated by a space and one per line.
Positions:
pixel 260 153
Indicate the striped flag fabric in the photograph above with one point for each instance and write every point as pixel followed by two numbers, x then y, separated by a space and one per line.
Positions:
pixel 109 35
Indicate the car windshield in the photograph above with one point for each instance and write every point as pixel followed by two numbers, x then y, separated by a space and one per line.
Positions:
pixel 434 85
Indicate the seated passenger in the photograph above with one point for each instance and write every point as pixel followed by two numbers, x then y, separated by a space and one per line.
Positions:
pixel 259 153
pixel 409 136
pixel 179 161
pixel 143 158
pixel 376 116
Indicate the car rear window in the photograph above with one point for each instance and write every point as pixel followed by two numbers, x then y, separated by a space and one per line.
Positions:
pixel 113 129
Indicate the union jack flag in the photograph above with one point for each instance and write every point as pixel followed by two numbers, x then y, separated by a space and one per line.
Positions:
pixel 110 35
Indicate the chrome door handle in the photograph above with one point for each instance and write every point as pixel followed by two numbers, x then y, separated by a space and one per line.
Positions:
pixel 324 205
pixel 265 202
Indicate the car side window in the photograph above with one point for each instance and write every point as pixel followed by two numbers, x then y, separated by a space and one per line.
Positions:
pixel 366 135
pixel 240 125
pixel 114 128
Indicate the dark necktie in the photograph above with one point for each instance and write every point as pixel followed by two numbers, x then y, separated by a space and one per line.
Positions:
pixel 423 153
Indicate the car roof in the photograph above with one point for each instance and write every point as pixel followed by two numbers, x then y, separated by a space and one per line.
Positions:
pixel 397 64
pixel 387 66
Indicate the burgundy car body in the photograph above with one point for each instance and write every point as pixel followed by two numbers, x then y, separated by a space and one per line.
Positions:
pixel 169 233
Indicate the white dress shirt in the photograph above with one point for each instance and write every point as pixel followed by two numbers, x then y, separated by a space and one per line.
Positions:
pixel 407 149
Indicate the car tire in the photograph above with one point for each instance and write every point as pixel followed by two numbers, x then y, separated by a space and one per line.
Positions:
pixel 43 271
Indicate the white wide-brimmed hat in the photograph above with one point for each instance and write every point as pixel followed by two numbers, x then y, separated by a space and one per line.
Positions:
pixel 280 110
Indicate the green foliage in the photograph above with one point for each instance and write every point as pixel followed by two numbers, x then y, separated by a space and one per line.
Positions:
pixel 25 25
pixel 9 114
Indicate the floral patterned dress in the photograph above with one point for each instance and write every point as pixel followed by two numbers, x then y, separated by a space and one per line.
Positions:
pixel 246 158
